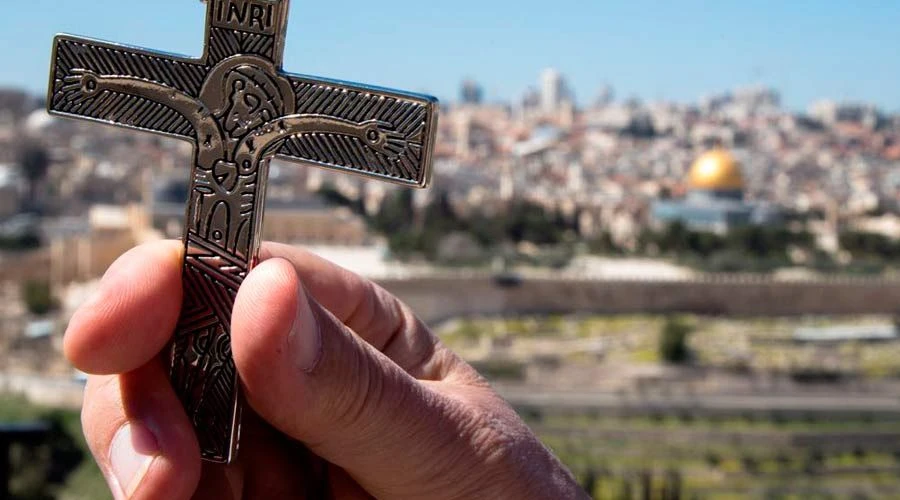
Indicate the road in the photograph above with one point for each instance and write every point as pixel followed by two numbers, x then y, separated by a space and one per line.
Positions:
pixel 716 403
pixel 67 392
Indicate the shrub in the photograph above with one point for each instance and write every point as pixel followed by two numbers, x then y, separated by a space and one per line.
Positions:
pixel 38 297
pixel 673 338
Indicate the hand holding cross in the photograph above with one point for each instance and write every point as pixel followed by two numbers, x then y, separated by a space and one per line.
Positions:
pixel 381 406
pixel 240 110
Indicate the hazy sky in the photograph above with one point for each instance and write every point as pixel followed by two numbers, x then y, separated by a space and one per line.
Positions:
pixel 653 50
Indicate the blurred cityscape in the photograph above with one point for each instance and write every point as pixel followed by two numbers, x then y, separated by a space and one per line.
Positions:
pixel 685 300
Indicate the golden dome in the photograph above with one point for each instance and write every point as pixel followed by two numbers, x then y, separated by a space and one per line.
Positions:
pixel 716 170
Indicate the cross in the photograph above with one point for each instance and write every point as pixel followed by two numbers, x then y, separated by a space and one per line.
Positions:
pixel 240 110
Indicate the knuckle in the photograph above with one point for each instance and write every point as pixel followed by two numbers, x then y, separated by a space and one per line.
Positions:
pixel 409 342
pixel 395 310
pixel 362 311
pixel 491 447
pixel 495 436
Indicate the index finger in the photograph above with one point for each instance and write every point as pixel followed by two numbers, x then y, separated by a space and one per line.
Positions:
pixel 133 314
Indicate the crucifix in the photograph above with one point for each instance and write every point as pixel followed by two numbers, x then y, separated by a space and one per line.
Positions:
pixel 240 110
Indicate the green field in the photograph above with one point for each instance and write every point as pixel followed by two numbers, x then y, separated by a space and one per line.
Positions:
pixel 762 345
pixel 691 453
pixel 615 457
pixel 664 454
pixel 683 456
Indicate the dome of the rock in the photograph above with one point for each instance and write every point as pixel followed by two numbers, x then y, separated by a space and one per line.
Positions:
pixel 716 170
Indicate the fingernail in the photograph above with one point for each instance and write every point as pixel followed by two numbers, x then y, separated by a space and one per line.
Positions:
pixel 306 335
pixel 132 451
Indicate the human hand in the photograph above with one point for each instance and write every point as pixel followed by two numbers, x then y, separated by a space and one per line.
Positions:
pixel 350 396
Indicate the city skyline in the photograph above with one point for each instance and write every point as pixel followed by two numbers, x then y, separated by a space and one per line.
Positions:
pixel 682 54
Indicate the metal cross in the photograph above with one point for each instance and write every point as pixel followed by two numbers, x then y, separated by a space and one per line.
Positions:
pixel 240 110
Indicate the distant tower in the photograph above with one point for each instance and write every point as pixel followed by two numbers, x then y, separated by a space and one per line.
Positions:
pixel 605 96
pixel 471 93
pixel 553 90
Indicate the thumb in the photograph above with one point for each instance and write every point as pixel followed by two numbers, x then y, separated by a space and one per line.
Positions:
pixel 315 380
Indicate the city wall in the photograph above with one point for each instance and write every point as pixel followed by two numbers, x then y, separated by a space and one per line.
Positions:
pixel 448 295
pixel 439 299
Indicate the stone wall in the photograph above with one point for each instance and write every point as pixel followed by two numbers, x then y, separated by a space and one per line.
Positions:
pixel 438 299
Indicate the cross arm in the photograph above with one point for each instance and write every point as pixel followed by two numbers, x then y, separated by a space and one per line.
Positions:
pixel 379 133
pixel 124 86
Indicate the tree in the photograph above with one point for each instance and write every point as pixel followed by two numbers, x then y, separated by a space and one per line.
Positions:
pixel 331 195
pixel 34 162
pixel 530 222
pixel 27 240
pixel 396 213
pixel 674 238
pixel 673 338
pixel 869 245
pixel 38 297
pixel 604 244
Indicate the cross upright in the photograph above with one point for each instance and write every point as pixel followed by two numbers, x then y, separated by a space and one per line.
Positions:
pixel 240 110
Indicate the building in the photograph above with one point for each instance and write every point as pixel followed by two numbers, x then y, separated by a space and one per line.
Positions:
pixel 298 219
pixel 605 96
pixel 11 188
pixel 831 113
pixel 471 93
pixel 847 333
pixel 554 91
pixel 715 199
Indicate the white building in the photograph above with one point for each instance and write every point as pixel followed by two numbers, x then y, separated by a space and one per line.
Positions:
pixel 11 188
pixel 554 91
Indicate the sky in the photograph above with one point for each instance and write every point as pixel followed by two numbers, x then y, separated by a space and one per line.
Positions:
pixel 671 50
